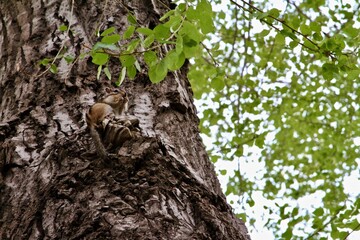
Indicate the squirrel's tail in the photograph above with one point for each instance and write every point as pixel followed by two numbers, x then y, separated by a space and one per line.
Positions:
pixel 100 149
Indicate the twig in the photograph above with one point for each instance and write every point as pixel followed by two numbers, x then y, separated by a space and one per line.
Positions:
pixel 63 44
pixel 283 23
pixel 330 221
pixel 357 227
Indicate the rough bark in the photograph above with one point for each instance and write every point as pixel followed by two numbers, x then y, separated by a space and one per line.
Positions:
pixel 160 185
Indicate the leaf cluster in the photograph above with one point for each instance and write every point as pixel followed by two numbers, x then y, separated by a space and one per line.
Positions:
pixel 181 30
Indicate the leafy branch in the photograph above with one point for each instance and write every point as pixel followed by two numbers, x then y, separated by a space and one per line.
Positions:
pixel 263 15
pixel 51 65
pixel 181 30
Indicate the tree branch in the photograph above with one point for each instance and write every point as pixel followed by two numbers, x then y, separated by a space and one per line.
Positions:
pixel 330 221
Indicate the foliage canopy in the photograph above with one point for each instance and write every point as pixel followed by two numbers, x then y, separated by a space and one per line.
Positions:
pixel 284 78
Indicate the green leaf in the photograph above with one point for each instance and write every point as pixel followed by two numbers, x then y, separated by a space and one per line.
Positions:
pixel 174 61
pixel 132 19
pixel 295 211
pixel 144 31
pixel 127 60
pixel 316 27
pixel 191 49
pixel 239 151
pixel 343 235
pixel 251 202
pixel 192 14
pixel 181 7
pixel 179 44
pixel 111 39
pixel 354 224
pixel 261 15
pixel 137 66
pixel 45 61
pixel 133 45
pixel 108 31
pixel 330 44
pixel 173 23
pixel 53 68
pixel 289 34
pixel 204 7
pixel 129 32
pixel 161 32
pixel 319 212
pixel 69 58
pixel 121 76
pixel 150 58
pixel 100 58
pixel 305 29
pixel 223 172
pixel 63 28
pixel 296 22
pixel 107 73
pixel 191 31
pixel 205 16
pixel 351 31
pixel 99 72
pixel 293 44
pixel 100 45
pixel 214 159
pixel 221 15
pixel 328 70
pixel 354 74
pixel 218 83
pixel 274 12
pixel 166 15
pixel 241 216
pixel 131 72
pixel 317 37
pixel 206 24
pixel 288 234
pixel 149 40
pixel 264 33
pixel 158 72
pixel 308 44
pixel 280 39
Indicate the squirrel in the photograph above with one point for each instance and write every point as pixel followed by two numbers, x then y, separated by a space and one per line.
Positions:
pixel 113 105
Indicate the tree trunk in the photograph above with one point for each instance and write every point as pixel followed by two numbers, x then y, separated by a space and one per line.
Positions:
pixel 160 185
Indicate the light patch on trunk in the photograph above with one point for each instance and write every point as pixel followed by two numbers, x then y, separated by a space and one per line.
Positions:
pixel 145 112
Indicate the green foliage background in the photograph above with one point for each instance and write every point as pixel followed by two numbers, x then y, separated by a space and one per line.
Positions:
pixel 286 81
